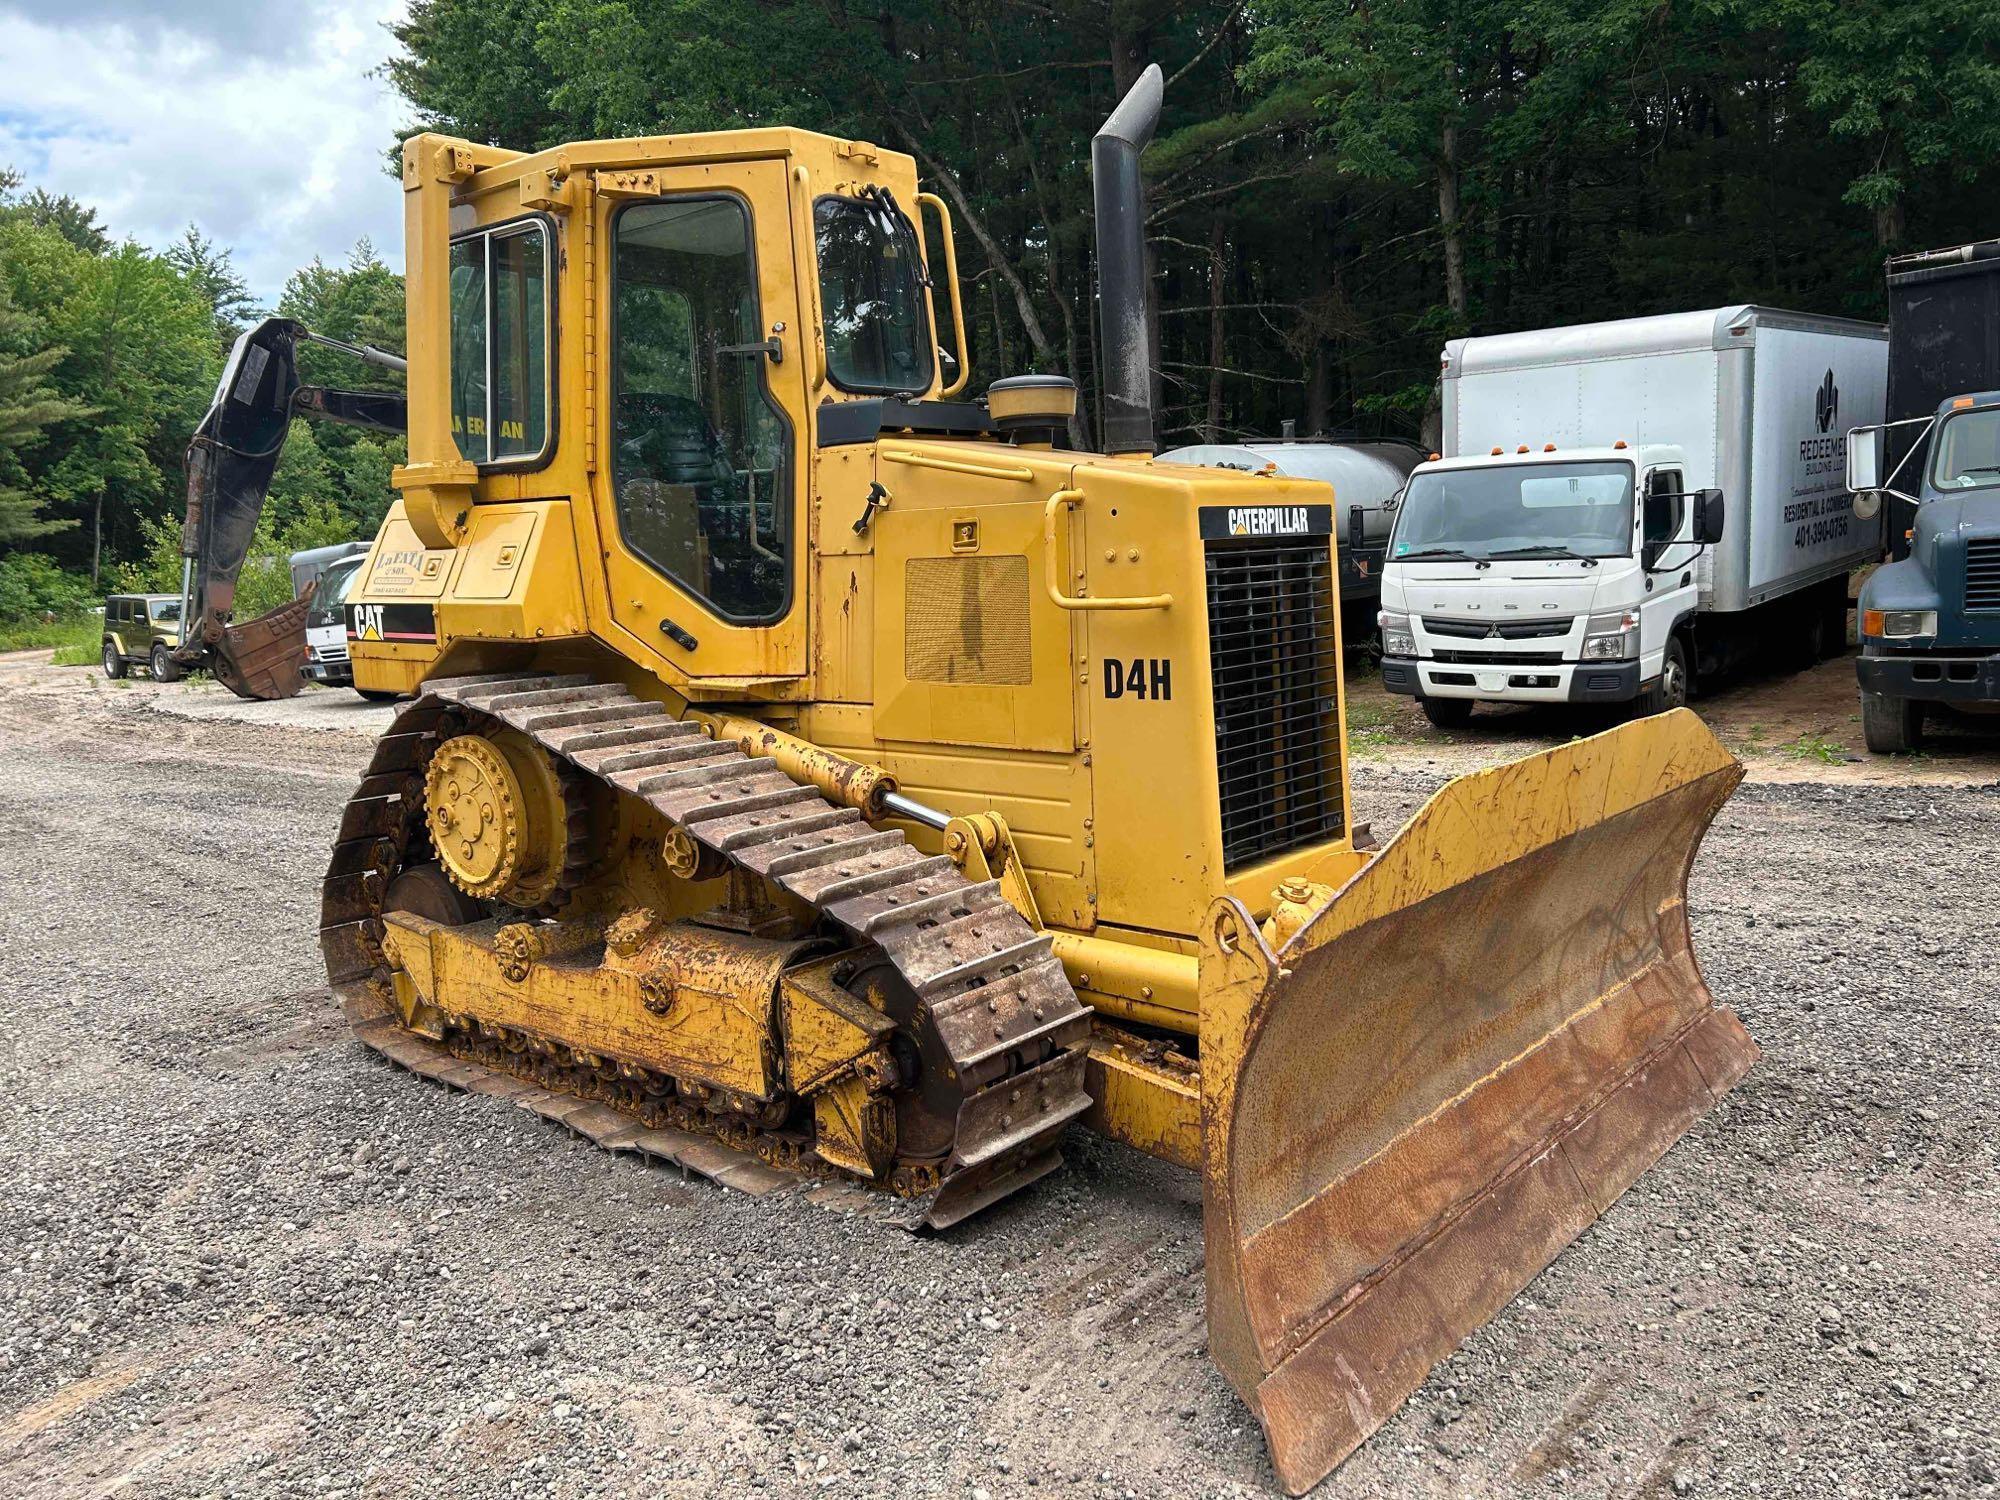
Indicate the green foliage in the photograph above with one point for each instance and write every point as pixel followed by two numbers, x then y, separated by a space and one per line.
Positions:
pixel 128 344
pixel 1335 188
pixel 32 586
pixel 266 580
pixel 74 638
pixel 325 465
pixel 212 274
pixel 75 222
pixel 29 406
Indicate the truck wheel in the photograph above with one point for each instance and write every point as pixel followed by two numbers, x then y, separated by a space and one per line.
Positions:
pixel 1810 644
pixel 1835 642
pixel 379 695
pixel 1448 713
pixel 164 669
pixel 114 664
pixel 1673 687
pixel 1890 725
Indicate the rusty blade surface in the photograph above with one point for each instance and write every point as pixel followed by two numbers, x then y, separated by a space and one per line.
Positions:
pixel 1450 1072
pixel 261 658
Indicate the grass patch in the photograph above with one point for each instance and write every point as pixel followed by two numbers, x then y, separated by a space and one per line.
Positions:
pixel 75 639
pixel 1817 747
pixel 1373 726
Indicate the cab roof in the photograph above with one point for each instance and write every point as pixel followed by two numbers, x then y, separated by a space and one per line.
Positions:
pixel 1639 453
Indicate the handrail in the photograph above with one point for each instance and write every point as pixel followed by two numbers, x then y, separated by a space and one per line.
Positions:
pixel 957 308
pixel 1063 500
pixel 815 336
pixel 958 465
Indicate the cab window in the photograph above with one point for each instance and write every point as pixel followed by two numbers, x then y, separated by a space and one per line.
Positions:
pixel 701 450
pixel 165 611
pixel 871 293
pixel 1968 450
pixel 500 344
pixel 1664 503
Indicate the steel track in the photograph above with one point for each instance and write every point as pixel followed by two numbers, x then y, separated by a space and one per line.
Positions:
pixel 992 989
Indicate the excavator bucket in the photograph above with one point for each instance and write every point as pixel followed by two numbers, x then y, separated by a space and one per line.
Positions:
pixel 261 658
pixel 1449 1072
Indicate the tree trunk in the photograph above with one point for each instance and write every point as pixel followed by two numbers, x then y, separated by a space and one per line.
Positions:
pixel 1212 427
pixel 96 540
pixel 1318 411
pixel 1449 220
pixel 1889 216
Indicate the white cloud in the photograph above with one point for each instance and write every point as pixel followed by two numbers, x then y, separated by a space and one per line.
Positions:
pixel 257 122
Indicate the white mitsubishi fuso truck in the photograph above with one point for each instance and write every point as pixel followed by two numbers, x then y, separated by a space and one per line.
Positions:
pixel 1622 507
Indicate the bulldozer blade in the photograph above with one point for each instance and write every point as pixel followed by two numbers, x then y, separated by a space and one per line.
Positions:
pixel 261 658
pixel 1449 1072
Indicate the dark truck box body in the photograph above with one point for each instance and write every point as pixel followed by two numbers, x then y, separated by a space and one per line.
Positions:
pixel 1944 341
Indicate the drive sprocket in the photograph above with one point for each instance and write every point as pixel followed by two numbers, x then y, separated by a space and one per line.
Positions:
pixel 499 817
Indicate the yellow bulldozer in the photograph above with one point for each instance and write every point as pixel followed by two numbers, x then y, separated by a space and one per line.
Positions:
pixel 811 770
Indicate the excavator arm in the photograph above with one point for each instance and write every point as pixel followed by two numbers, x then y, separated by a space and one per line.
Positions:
pixel 230 463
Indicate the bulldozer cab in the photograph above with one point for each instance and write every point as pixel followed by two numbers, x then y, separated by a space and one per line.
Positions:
pixel 648 331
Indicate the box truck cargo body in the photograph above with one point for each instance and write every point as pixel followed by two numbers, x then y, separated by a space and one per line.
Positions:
pixel 1747 404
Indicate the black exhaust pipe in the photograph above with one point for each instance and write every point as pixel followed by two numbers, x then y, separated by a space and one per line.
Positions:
pixel 1120 202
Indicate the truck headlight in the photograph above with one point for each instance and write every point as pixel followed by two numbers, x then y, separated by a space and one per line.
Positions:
pixel 1613 637
pixel 1396 637
pixel 1898 624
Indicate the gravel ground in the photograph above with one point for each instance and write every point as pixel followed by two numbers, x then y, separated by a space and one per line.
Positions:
pixel 239 1254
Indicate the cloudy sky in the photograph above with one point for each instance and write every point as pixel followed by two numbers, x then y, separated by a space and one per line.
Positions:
pixel 254 119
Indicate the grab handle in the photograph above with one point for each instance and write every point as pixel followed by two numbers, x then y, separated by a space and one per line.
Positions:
pixel 934 202
pixel 1059 502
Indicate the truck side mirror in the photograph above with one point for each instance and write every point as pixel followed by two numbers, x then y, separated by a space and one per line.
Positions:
pixel 1709 515
pixel 1864 458
pixel 1357 534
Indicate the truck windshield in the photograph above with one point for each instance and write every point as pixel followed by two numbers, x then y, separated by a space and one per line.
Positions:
pixel 1968 451
pixel 871 290
pixel 332 588
pixel 1517 510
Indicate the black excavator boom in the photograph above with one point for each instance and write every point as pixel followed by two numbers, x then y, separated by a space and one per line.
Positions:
pixel 230 464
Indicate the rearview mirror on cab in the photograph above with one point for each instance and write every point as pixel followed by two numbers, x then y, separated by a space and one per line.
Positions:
pixel 1709 516
pixel 1864 459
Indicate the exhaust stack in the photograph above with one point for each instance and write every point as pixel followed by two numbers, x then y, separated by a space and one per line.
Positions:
pixel 1120 205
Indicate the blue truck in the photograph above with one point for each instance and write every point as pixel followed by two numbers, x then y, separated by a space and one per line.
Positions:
pixel 1929 617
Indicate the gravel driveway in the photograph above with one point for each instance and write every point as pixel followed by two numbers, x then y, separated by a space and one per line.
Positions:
pixel 241 1255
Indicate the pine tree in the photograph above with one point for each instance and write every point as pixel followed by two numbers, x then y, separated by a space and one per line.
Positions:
pixel 213 273
pixel 27 407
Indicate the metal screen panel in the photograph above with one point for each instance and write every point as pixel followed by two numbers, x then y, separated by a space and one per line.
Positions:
pixel 965 620
pixel 1276 677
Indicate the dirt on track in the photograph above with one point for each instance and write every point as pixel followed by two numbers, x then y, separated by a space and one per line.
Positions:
pixel 240 1254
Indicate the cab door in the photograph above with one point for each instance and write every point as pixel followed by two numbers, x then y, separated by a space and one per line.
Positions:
pixel 1667 551
pixel 700 488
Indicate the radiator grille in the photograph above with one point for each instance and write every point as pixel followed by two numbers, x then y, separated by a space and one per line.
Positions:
pixel 1271 616
pixel 1498 658
pixel 1982 573
pixel 965 619
pixel 1509 630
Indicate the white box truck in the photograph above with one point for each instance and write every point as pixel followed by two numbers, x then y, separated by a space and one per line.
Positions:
pixel 1622 506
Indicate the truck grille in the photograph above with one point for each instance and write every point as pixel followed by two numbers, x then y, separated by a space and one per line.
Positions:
pixel 1982 573
pixel 1271 617
pixel 1509 630
pixel 1499 658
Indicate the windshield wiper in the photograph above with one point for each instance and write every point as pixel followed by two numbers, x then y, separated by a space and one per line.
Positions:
pixel 1545 549
pixel 1432 552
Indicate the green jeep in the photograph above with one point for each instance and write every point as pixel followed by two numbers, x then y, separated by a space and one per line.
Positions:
pixel 139 631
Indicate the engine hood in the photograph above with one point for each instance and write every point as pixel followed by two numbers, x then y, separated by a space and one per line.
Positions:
pixel 1498 593
pixel 1974 511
